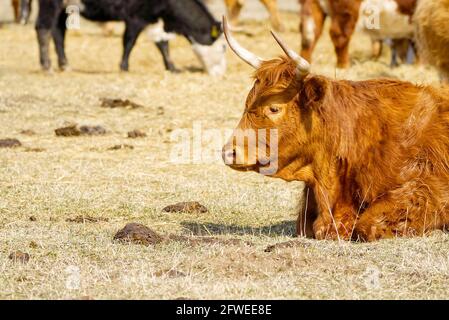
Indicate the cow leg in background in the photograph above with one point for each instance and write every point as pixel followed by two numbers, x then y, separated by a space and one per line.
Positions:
pixel 275 19
pixel 377 48
pixel 399 49
pixel 343 27
pixel 307 215
pixel 132 32
pixel 43 38
pixel 25 11
pixel 233 8
pixel 44 24
pixel 59 39
pixel 15 6
pixel 157 34
pixel 163 47
pixel 311 27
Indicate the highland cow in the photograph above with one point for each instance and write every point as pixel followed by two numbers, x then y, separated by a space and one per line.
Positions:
pixel 374 154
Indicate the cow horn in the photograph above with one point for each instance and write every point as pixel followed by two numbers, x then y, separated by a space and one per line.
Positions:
pixel 247 56
pixel 302 64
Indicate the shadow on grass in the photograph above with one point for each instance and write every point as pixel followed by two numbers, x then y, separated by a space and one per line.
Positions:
pixel 283 228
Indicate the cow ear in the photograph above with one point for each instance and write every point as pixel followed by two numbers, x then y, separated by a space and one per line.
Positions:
pixel 314 90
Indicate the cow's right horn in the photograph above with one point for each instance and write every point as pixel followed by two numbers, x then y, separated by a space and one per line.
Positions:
pixel 247 56
pixel 302 64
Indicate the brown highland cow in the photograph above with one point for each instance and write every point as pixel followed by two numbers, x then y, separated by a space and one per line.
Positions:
pixel 374 154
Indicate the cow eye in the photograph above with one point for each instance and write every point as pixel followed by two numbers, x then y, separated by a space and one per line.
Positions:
pixel 274 109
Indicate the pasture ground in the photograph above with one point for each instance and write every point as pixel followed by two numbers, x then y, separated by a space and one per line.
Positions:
pixel 50 179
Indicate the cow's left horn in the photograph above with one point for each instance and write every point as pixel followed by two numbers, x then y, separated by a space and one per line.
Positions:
pixel 247 56
pixel 302 64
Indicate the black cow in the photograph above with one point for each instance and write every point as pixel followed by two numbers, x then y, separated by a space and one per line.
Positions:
pixel 189 18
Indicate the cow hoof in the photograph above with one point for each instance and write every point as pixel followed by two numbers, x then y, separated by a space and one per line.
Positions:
pixel 329 232
pixel 124 68
pixel 65 68
pixel 46 66
pixel 49 71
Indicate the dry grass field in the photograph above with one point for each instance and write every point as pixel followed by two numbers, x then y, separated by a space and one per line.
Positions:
pixel 50 179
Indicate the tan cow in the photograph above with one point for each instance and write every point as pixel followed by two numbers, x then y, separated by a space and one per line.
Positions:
pixel 432 34
pixel 374 154
pixel 235 6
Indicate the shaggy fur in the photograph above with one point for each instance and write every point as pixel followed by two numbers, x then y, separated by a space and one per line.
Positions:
pixel 374 154
pixel 432 34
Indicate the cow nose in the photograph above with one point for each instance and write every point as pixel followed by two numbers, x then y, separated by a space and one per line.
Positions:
pixel 228 155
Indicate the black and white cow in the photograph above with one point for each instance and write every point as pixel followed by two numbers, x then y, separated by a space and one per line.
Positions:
pixel 212 57
pixel 189 18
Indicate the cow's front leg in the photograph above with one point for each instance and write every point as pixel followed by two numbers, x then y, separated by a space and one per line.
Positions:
pixel 311 27
pixel 337 216
pixel 343 27
pixel 275 19
pixel 133 29
pixel 15 6
pixel 58 33
pixel 163 47
pixel 337 224
pixel 46 20
pixel 233 8
pixel 43 38
pixel 341 41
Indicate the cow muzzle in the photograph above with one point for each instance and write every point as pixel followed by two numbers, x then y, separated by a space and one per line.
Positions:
pixel 242 159
pixel 235 158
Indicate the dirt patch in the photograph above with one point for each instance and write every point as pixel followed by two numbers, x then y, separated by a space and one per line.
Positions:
pixel 140 234
pixel 19 256
pixel 74 130
pixel 186 207
pixel 37 150
pixel 160 111
pixel 9 143
pixel 92 130
pixel 85 219
pixel 34 245
pixel 288 244
pixel 119 103
pixel 193 241
pixel 136 134
pixel 28 132
pixel 121 147
pixel 172 273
